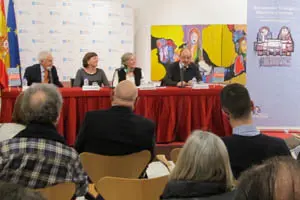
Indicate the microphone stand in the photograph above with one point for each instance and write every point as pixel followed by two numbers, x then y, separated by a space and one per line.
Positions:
pixel 113 78
pixel 181 78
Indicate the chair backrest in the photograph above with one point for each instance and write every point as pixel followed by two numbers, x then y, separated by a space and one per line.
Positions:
pixel 127 166
pixel 113 188
pixel 174 154
pixel 62 191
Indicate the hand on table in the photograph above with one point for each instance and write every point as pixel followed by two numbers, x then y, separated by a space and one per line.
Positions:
pixel 183 83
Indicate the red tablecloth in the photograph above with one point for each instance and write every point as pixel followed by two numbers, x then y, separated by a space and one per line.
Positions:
pixel 176 111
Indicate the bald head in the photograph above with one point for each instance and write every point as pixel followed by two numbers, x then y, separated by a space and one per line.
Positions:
pixel 125 94
pixel 185 56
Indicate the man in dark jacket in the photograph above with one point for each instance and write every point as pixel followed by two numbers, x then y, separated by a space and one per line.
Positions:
pixel 44 72
pixel 182 72
pixel 117 131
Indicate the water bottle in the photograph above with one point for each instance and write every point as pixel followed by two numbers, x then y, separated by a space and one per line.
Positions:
pixel 194 81
pixel 86 82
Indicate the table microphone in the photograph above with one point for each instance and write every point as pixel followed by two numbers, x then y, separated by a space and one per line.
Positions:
pixel 181 76
pixel 114 75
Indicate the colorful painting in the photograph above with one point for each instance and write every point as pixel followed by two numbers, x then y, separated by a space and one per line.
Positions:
pixel 219 50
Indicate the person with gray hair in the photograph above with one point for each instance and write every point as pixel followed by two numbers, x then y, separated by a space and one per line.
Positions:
pixel 39 154
pixel 117 131
pixel 202 170
pixel 43 72
pixel 129 70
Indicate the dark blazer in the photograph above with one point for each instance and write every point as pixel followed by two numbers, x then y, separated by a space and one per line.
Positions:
pixel 173 74
pixel 137 75
pixel 33 75
pixel 116 131
pixel 247 151
pixel 195 190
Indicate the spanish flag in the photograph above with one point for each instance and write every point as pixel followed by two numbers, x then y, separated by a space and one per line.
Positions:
pixel 4 49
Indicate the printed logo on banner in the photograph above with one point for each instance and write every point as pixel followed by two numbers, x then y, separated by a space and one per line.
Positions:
pixel 67 59
pixel 34 60
pixel 23 12
pixel 66 22
pixel 113 32
pixel 37 3
pixel 84 32
pixel 114 15
pixel 54 13
pixel 67 3
pixel 55 50
pixel 274 50
pixel 21 50
pixel 37 22
pixel 84 14
pixel 98 41
pixel 83 50
pixel 66 41
pixel 23 31
pixel 98 23
pixel 114 50
pixel 257 113
pixel 125 6
pixel 126 42
pixel 126 24
pixel 38 41
pixel 54 32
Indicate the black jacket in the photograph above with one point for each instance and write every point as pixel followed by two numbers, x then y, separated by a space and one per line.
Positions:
pixel 33 75
pixel 247 151
pixel 195 190
pixel 137 75
pixel 173 74
pixel 116 131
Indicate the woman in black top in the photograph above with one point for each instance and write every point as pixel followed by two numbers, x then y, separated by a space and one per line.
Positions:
pixel 129 71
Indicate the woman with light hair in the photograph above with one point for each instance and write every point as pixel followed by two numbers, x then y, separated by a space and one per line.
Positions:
pixel 202 170
pixel 129 71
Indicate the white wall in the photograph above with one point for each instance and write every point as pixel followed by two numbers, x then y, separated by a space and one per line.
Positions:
pixel 180 12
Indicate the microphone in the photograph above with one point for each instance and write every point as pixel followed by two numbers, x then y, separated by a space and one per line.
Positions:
pixel 50 74
pixel 181 75
pixel 114 75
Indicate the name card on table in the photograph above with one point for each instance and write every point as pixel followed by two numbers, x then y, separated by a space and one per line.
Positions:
pixel 200 86
pixel 91 88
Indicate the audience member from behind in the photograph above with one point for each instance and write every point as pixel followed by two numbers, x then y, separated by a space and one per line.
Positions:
pixel 38 156
pixel 247 146
pixel 9 130
pixel 16 192
pixel 276 179
pixel 117 131
pixel 202 170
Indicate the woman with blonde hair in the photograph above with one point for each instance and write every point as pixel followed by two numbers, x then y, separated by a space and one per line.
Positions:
pixel 202 170
pixel 129 70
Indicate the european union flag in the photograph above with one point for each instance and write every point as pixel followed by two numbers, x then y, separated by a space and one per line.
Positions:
pixel 13 36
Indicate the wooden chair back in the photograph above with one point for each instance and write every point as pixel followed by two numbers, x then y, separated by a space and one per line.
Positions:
pixel 113 188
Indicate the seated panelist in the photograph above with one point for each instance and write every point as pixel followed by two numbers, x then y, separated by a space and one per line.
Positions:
pixel 189 71
pixel 129 71
pixel 90 72
pixel 44 72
